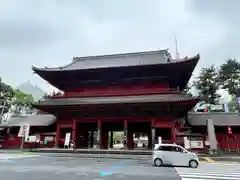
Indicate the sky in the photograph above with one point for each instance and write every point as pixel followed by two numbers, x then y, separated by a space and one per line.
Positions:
pixel 49 33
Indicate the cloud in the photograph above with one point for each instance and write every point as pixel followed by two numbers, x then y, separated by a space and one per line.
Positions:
pixel 227 14
pixel 24 34
pixel 50 33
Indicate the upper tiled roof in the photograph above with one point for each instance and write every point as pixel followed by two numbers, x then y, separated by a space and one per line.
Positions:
pixel 119 60
pixel 117 100
pixel 219 119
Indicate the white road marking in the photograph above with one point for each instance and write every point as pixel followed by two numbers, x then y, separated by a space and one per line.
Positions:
pixel 211 171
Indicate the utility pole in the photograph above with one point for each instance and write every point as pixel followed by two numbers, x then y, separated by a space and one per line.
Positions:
pixel 22 141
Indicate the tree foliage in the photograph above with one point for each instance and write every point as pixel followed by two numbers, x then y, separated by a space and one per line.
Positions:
pixel 14 100
pixel 22 102
pixel 187 90
pixel 229 76
pixel 207 85
pixel 6 95
pixel 232 104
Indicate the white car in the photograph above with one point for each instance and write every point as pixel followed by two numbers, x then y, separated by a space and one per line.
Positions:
pixel 172 154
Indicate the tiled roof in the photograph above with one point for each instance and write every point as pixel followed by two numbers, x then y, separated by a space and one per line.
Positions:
pixel 119 60
pixel 219 119
pixel 33 120
pixel 118 99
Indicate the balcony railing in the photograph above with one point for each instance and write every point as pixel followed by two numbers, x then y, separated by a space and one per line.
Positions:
pixel 114 92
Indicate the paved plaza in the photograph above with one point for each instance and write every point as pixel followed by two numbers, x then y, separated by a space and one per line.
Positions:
pixel 39 167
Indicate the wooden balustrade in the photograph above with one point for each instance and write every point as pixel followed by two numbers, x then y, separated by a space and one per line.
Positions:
pixel 119 91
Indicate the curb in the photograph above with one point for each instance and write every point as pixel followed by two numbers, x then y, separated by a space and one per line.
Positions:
pixel 91 152
pixel 18 152
pixel 100 156
pixel 104 156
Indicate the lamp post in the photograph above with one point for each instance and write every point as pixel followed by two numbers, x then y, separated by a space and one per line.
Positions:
pixel 2 111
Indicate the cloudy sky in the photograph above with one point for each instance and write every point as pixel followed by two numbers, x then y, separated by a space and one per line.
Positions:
pixel 51 32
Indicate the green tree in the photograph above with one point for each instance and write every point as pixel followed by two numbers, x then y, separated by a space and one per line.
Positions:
pixel 229 76
pixel 6 95
pixel 232 104
pixel 187 90
pixel 207 85
pixel 22 102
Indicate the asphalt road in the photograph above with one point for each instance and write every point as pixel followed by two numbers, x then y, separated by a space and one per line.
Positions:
pixel 62 168
pixel 47 166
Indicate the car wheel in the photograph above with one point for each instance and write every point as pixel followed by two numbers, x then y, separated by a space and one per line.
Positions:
pixel 193 164
pixel 158 162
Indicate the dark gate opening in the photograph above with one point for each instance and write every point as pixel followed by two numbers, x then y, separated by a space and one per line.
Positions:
pixel 86 134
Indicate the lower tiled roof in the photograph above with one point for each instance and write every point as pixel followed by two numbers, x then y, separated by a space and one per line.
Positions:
pixel 33 120
pixel 118 99
pixel 219 119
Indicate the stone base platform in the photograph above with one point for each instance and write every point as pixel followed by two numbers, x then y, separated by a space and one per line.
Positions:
pixel 92 151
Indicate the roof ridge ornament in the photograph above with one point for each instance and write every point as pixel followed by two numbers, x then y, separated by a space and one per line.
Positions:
pixel 177 56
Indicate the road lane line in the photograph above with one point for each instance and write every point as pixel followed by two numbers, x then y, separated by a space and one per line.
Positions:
pixel 208 159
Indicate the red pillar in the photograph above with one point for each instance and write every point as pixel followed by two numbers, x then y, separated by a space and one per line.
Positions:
pixel 99 134
pixel 125 134
pixel 130 138
pixel 104 141
pixel 173 133
pixel 74 127
pixel 153 133
pixel 57 135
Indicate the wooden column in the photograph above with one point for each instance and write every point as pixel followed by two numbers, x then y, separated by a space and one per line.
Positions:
pixel 153 134
pixel 57 139
pixel 74 127
pixel 111 139
pixel 92 139
pixel 99 124
pixel 130 138
pixel 173 133
pixel 125 133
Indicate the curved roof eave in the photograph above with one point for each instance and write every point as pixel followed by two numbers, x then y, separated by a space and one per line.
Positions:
pixel 118 100
pixel 69 68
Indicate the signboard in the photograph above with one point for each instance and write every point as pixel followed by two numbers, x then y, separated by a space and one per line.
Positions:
pixel 24 130
pixel 159 140
pixel 32 138
pixel 67 139
pixel 192 144
pixel 197 144
pixel 21 132
pixel 186 143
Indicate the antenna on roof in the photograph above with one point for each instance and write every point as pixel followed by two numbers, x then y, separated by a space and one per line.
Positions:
pixel 176 46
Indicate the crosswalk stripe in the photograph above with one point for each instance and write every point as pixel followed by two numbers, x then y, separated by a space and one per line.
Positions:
pixel 192 179
pixel 211 174
pixel 211 171
pixel 225 163
pixel 210 177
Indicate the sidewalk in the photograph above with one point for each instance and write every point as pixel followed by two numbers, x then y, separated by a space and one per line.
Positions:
pixel 118 151
pixel 13 151
pixel 93 151
pixel 103 156
pixel 116 154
